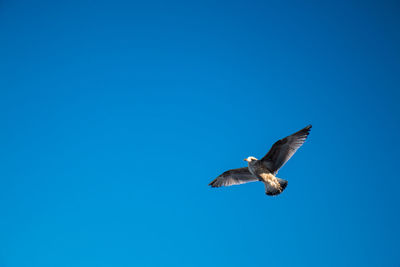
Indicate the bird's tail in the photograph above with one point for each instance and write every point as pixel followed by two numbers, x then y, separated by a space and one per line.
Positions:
pixel 273 188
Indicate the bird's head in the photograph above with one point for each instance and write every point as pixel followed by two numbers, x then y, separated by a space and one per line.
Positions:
pixel 250 159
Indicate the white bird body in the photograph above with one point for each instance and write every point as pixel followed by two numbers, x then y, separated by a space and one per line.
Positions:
pixel 264 175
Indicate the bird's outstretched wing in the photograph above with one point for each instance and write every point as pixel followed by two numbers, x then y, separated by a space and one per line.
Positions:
pixel 235 176
pixel 284 149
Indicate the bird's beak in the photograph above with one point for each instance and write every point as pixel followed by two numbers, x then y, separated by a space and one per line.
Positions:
pixel 246 160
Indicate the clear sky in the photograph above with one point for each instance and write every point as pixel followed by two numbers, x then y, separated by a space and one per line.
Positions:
pixel 115 115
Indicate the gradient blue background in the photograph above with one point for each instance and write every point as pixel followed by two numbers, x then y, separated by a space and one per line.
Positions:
pixel 115 115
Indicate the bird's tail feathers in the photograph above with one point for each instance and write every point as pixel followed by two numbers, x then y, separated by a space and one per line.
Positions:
pixel 273 189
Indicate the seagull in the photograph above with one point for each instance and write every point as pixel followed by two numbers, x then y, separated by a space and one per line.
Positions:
pixel 265 169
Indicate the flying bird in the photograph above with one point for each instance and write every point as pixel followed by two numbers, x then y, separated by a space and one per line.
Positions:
pixel 265 169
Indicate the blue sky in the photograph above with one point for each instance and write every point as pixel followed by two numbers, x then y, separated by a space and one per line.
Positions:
pixel 117 114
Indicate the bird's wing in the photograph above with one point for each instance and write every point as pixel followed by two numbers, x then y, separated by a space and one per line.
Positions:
pixel 235 176
pixel 284 149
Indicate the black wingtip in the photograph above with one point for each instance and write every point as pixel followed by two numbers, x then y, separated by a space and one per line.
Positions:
pixel 306 130
pixel 213 183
